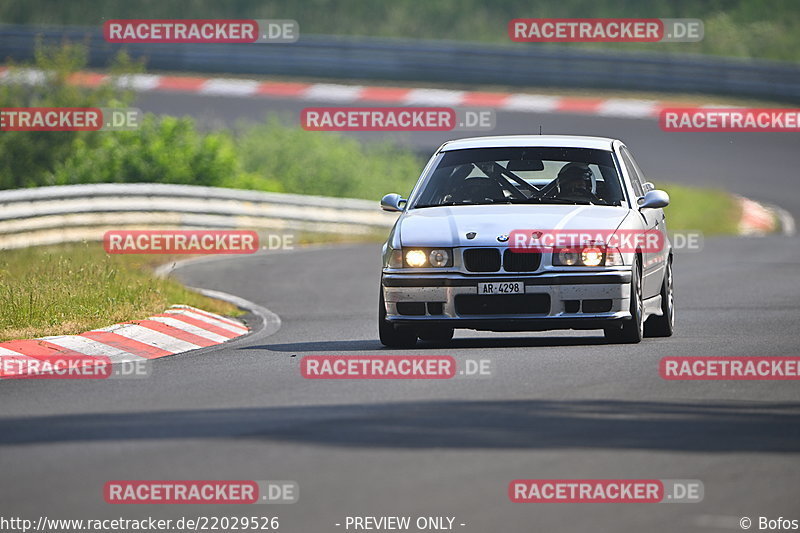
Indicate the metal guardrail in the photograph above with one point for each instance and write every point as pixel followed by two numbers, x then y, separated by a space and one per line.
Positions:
pixel 70 213
pixel 519 64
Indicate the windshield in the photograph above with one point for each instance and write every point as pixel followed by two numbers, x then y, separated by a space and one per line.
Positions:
pixel 522 175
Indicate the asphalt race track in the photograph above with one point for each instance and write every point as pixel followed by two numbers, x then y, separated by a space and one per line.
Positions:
pixel 559 404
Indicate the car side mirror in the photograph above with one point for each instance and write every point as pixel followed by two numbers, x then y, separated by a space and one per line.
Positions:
pixel 392 202
pixel 654 199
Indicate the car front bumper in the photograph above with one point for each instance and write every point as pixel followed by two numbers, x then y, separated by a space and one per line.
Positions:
pixel 552 300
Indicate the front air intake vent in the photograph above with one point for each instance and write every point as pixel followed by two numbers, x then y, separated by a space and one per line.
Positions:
pixel 482 259
pixel 521 261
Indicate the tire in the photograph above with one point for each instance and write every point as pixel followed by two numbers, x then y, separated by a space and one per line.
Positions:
pixel 439 334
pixel 393 336
pixel 664 325
pixel 632 329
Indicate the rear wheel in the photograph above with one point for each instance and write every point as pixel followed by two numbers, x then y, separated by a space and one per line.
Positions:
pixel 632 329
pixel 663 326
pixel 394 336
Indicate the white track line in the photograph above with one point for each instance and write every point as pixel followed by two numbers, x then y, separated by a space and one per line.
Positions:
pixel 229 87
pixel 530 103
pixel 333 92
pixel 434 97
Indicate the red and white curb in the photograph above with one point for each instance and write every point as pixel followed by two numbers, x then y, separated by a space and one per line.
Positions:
pixel 756 219
pixel 178 329
pixel 360 94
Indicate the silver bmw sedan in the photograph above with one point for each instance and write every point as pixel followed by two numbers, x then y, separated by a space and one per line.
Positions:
pixel 527 233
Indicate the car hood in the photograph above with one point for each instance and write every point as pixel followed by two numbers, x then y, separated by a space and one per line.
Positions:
pixel 448 226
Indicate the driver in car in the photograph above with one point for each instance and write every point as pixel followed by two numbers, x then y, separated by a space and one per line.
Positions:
pixel 575 182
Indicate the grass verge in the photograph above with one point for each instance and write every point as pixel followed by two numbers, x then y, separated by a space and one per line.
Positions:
pixel 69 289
pixel 72 288
pixel 711 211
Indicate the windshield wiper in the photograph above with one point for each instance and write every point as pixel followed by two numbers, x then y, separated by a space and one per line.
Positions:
pixel 462 203
pixel 433 205
pixel 549 200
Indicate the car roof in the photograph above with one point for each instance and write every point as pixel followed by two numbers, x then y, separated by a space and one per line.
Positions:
pixel 547 141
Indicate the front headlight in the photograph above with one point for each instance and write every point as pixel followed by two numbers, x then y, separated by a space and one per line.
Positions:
pixel 588 256
pixel 416 258
pixel 592 257
pixel 427 257
pixel 566 258
pixel 439 258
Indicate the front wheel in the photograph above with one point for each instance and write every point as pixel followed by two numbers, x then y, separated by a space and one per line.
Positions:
pixel 632 329
pixel 663 326
pixel 393 336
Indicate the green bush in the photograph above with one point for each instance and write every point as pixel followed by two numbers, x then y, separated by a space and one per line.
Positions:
pixel 289 159
pixel 162 150
pixel 28 158
pixel 269 156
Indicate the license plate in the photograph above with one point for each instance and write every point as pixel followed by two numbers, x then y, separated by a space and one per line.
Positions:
pixel 501 287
